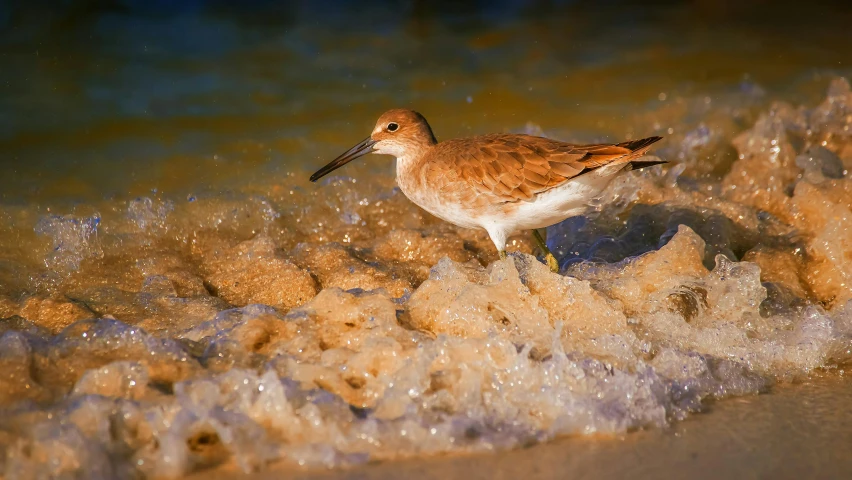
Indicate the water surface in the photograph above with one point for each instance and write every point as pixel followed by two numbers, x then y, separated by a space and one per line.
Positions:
pixel 176 296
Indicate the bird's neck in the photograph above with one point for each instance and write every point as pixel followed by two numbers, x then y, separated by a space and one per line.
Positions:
pixel 409 167
pixel 413 158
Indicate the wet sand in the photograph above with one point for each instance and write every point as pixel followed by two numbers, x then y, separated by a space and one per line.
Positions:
pixel 797 431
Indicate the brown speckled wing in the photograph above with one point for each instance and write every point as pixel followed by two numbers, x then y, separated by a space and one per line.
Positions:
pixel 517 167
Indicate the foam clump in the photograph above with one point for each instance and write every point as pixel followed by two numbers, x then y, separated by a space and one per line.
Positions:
pixel 118 379
pixel 418 251
pixel 251 272
pixel 53 313
pixel 831 117
pixel 764 152
pixel 468 301
pixel 339 266
pixel 717 312
pixel 825 212
pixel 56 451
pixel 324 328
pixel 91 344
pixel 16 361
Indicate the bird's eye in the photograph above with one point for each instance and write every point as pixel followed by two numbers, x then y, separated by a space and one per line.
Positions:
pixel 392 127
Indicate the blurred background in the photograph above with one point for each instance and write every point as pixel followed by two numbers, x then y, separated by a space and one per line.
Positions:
pixel 116 98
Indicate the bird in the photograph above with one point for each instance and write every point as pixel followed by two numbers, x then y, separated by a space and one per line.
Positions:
pixel 502 183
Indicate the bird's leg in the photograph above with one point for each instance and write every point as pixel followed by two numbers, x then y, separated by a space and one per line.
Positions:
pixel 498 236
pixel 548 255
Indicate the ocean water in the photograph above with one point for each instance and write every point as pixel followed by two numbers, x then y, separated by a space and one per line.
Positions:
pixel 175 295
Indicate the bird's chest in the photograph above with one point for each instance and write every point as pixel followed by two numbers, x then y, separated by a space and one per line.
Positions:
pixel 433 191
pixel 417 183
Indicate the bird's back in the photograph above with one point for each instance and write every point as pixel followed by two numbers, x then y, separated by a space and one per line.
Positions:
pixel 514 167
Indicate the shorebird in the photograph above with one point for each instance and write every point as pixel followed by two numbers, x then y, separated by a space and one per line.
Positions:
pixel 501 183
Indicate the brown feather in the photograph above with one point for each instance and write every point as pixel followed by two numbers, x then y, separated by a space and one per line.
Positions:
pixel 518 167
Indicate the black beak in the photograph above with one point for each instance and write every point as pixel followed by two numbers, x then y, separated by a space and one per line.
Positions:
pixel 363 148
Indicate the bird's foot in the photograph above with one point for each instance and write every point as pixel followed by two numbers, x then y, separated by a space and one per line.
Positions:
pixel 551 262
pixel 549 258
pixel 502 254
